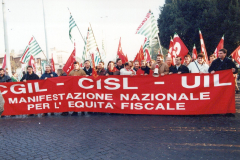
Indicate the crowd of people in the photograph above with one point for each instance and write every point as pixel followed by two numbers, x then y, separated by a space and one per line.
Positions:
pixel 158 67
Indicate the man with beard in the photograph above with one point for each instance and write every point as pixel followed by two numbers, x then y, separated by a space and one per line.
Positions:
pixel 4 77
pixel 163 68
pixel 144 70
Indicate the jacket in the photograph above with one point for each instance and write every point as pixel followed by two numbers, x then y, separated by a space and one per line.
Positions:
pixel 5 78
pixel 218 65
pixel 101 72
pixel 27 76
pixel 78 72
pixel 89 71
pixel 119 68
pixel 48 75
pixel 142 70
pixel 124 71
pixel 195 67
pixel 163 68
pixel 117 72
pixel 181 68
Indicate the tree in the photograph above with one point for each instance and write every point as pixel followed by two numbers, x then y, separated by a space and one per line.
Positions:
pixel 214 18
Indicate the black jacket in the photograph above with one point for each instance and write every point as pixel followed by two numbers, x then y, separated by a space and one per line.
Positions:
pixel 89 71
pixel 182 69
pixel 48 75
pixel 119 68
pixel 218 65
pixel 5 78
pixel 146 69
pixel 33 76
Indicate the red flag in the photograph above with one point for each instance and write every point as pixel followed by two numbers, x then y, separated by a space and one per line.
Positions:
pixel 220 46
pixel 31 62
pixel 203 48
pixel 179 48
pixel 120 53
pixel 69 64
pixel 236 55
pixel 52 64
pixel 140 55
pixel 148 57
pixel 4 63
pixel 194 52
pixel 94 72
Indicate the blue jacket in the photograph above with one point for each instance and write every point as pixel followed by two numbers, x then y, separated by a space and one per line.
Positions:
pixel 5 78
pixel 48 75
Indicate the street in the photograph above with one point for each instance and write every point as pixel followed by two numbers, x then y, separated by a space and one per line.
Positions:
pixel 104 136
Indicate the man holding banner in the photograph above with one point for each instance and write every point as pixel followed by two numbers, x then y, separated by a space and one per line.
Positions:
pixel 162 67
pixel 178 68
pixel 222 63
pixel 30 75
pixel 3 77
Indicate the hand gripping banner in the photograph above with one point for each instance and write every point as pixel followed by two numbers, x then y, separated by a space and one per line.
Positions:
pixel 177 94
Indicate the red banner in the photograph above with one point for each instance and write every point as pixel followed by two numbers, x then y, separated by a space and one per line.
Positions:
pixel 185 94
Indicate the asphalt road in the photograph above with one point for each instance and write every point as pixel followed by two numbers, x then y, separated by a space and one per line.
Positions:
pixel 101 136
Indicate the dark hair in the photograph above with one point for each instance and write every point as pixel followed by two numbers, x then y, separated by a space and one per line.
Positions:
pixel 13 72
pixel 1 69
pixel 179 57
pixel 200 55
pixel 187 56
pixel 76 62
pixel 86 61
pixel 118 60
pixel 101 62
pixel 160 55
pixel 110 62
pixel 29 67
pixel 223 50
pixel 126 64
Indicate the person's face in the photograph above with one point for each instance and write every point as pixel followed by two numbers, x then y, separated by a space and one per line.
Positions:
pixel 212 58
pixel 200 60
pixel 100 66
pixel 87 64
pixel 110 65
pixel 127 67
pixel 143 63
pixel 29 70
pixel 48 68
pixel 169 61
pixel 76 66
pixel 130 64
pixel 177 61
pixel 15 75
pixel 159 59
pixel 187 60
pixel 1 72
pixel 119 63
pixel 136 65
pixel 221 55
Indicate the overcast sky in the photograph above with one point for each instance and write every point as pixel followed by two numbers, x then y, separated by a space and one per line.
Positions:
pixel 110 19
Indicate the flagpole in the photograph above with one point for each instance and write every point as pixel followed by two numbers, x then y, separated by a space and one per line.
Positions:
pixel 160 45
pixel 96 43
pixel 78 28
pixel 45 30
pixel 8 64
